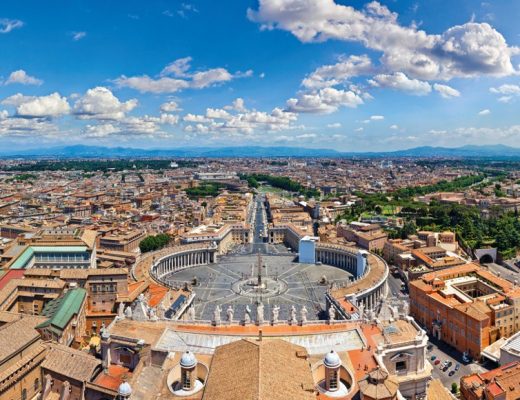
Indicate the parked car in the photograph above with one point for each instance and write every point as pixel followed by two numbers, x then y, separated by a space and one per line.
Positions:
pixel 457 367
pixel 430 346
pixel 452 372
pixel 449 364
pixel 433 358
pixel 437 362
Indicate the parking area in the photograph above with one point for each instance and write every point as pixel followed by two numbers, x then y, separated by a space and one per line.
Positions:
pixel 443 352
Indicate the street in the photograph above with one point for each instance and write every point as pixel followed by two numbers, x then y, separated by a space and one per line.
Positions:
pixel 503 272
pixel 444 352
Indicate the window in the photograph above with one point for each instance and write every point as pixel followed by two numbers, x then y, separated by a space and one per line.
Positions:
pixel 333 380
pixel 24 394
pixel 400 366
pixel 36 384
pixel 186 379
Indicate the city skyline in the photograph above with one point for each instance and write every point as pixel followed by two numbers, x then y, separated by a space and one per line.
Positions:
pixel 352 76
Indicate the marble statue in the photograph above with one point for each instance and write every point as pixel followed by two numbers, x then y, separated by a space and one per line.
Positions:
pixel 121 310
pixel 303 314
pixel 275 313
pixel 230 313
pixel 247 315
pixel 216 314
pixel 293 315
pixel 128 312
pixel 260 313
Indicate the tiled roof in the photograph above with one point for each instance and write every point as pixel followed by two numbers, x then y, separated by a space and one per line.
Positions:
pixel 62 309
pixel 263 370
pixel 72 363
pixel 18 334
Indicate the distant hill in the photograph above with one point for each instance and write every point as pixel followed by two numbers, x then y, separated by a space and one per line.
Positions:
pixel 75 151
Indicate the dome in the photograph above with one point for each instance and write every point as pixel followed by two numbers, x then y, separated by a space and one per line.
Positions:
pixel 124 389
pixel 188 360
pixel 332 360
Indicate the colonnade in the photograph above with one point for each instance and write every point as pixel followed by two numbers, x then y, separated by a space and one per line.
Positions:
pixel 371 299
pixel 337 258
pixel 182 260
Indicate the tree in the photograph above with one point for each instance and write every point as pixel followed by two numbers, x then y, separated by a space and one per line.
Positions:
pixel 454 388
pixel 151 243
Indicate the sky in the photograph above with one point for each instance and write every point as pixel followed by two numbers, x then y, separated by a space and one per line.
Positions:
pixel 346 75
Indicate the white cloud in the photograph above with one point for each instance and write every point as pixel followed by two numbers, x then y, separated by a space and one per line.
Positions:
pixel 507 91
pixel 7 25
pixel 466 50
pixel 78 35
pixel 50 106
pixel 177 76
pixel 204 79
pixel 446 91
pixel 178 68
pixel 147 126
pixel 334 125
pixel 20 76
pixel 239 105
pixel 360 129
pixel 324 101
pixel 170 106
pixel 100 103
pixel 377 117
pixel 399 81
pixel 236 120
pixel 145 84
pixel 484 112
pixel 394 127
pixel 195 118
pixel 332 75
pixel 27 127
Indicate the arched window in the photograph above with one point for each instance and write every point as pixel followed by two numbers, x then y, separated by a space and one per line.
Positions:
pixel 36 384
pixel 24 394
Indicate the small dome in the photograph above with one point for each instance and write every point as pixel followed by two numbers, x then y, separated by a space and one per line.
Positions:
pixel 188 360
pixel 124 389
pixel 332 360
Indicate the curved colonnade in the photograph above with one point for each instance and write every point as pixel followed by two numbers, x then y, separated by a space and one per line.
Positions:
pixel 367 288
pixel 369 284
pixel 182 257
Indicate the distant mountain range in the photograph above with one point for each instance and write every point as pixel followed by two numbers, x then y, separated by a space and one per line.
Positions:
pixel 77 151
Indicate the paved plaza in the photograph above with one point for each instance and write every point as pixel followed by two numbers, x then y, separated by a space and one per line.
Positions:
pixel 286 283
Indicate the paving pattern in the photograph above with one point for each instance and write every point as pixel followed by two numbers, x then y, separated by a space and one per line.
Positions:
pixel 299 284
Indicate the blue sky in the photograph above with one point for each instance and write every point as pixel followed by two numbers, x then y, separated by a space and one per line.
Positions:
pixel 348 75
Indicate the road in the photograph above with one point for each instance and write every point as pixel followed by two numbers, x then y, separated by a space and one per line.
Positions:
pixel 260 227
pixel 394 286
pixel 444 352
pixel 503 272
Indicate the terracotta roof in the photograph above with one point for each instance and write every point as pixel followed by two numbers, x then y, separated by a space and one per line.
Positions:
pixel 18 334
pixel 266 369
pixel 378 385
pixel 72 363
pixel 436 390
